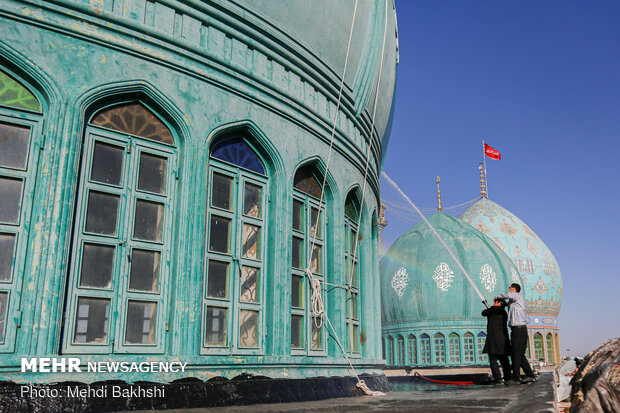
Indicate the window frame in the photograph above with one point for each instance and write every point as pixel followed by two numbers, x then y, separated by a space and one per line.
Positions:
pixel 353 291
pixel 309 203
pixel 232 303
pixel 13 287
pixel 119 294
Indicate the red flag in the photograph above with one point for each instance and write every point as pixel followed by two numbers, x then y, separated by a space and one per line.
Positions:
pixel 492 153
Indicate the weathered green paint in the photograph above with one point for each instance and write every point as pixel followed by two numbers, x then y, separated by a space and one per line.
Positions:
pixel 208 71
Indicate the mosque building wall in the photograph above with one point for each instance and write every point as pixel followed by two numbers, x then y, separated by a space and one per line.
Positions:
pixel 162 193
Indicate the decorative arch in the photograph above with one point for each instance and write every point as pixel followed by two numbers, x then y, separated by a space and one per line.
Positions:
pixel 439 345
pixel 115 93
pixel 390 350
pixel 124 167
pixel 558 354
pixel 539 347
pixel 468 344
pixel 454 347
pixel 254 136
pixel 412 358
pixel 310 244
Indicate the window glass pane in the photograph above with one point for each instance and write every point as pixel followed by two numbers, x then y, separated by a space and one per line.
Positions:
pixel 221 191
pixel 298 215
pixel 248 328
pixel 14 94
pixel 4 300
pixel 13 145
pixel 297 292
pixel 219 234
pixel 10 196
pixel 297 252
pixel 352 307
pixel 317 335
pixel 251 241
pixel 307 183
pixel 140 327
pixel 144 270
pixel 135 119
pixel 91 321
pixel 316 264
pixel 252 200
pixel 101 213
pixel 355 340
pixel 297 331
pixel 249 284
pixel 7 248
pixel 152 173
pixel 107 163
pixel 237 152
pixel 350 208
pixel 315 223
pixel 148 220
pixel 217 279
pixel 215 329
pixel 97 265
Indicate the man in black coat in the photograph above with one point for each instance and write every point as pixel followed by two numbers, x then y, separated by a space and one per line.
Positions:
pixel 497 344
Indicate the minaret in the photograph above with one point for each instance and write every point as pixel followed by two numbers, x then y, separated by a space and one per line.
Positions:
pixel 483 191
pixel 439 208
pixel 381 223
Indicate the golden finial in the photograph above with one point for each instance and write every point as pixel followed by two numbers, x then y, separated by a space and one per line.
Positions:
pixel 483 191
pixel 438 195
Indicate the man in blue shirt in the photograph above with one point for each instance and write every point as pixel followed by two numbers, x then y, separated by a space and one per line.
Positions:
pixel 517 321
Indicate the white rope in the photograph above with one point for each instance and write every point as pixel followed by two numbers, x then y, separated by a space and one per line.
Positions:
pixel 316 297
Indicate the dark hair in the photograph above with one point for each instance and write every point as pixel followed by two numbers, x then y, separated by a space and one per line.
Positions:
pixel 516 287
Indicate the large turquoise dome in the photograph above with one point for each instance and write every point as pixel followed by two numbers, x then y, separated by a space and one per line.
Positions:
pixel 537 265
pixel 425 296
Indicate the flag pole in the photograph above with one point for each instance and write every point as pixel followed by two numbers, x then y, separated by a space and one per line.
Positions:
pixel 484 159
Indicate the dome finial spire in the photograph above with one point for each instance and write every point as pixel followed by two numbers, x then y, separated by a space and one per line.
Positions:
pixel 483 191
pixel 439 208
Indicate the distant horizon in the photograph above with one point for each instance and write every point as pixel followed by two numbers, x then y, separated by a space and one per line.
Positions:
pixel 539 82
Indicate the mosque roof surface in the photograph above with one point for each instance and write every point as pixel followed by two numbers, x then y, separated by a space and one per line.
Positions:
pixel 421 282
pixel 537 265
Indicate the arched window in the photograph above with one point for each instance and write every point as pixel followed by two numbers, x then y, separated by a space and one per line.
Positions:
pixel 390 360
pixel 455 348
pixel 558 354
pixel 20 138
pixel 411 349
pixel 352 269
pixel 550 357
pixel 440 349
pixel 308 246
pixel 122 233
pixel 480 346
pixel 236 217
pixel 539 350
pixel 468 341
pixel 401 351
pixel 425 349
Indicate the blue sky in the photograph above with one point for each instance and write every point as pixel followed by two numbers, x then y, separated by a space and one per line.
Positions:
pixel 540 82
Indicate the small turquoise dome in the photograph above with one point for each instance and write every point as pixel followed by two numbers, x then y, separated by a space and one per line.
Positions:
pixel 421 285
pixel 537 265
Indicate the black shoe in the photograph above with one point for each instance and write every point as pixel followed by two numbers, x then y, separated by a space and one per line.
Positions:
pixel 510 382
pixel 528 380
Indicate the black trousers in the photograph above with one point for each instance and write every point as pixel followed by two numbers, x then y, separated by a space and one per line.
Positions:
pixel 518 338
pixel 503 359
